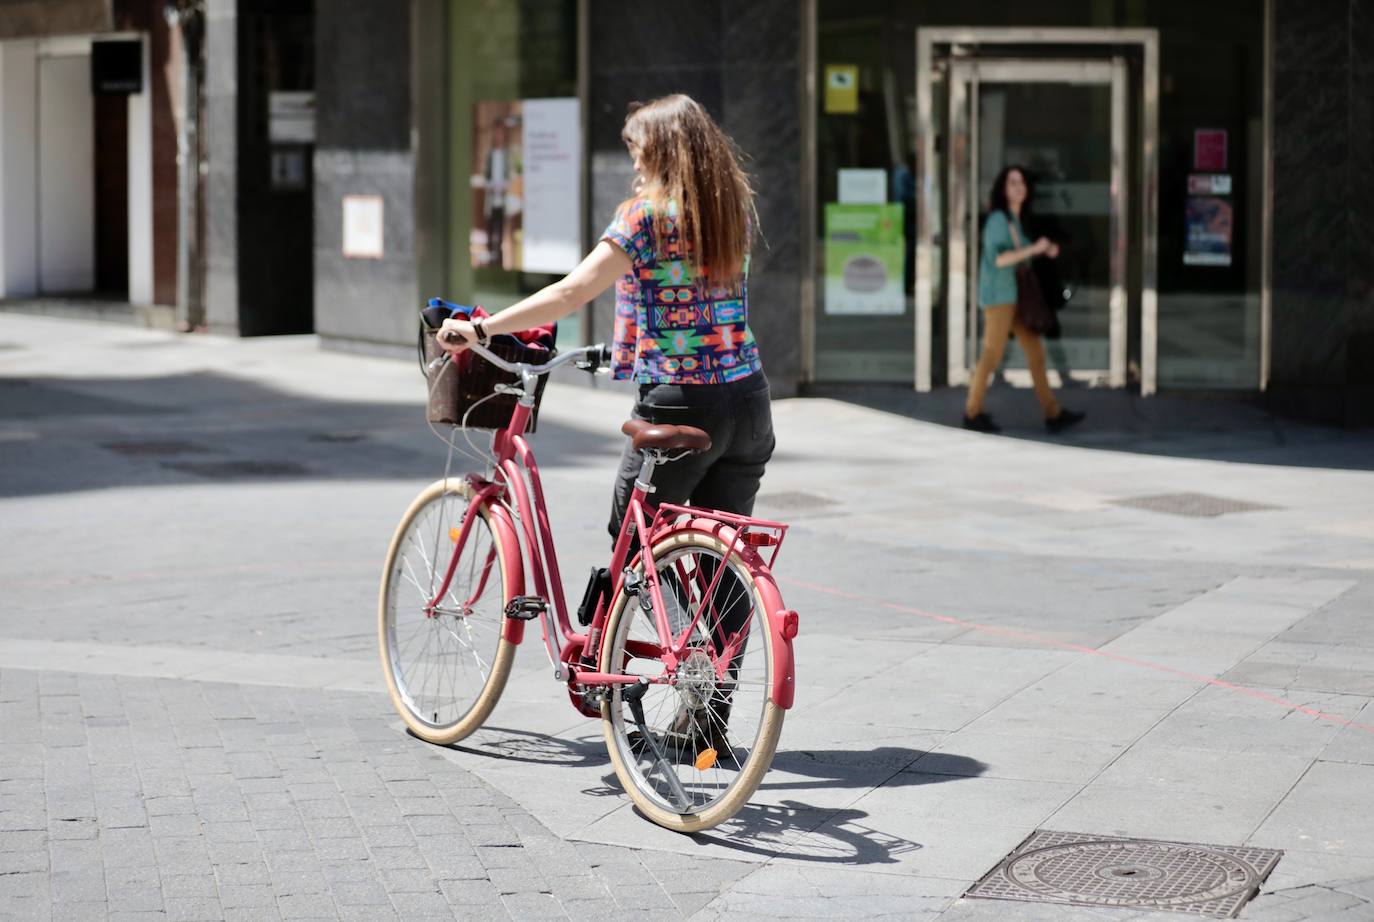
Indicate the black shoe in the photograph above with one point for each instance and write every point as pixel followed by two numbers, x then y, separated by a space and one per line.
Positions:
pixel 1064 420
pixel 981 423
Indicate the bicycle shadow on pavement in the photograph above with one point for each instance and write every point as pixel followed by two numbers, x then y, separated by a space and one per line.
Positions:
pixel 810 833
pixel 786 828
pixel 800 832
pixel 533 748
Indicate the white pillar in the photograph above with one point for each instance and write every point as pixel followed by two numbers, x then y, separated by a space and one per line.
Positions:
pixel 141 188
pixel 66 168
pixel 18 180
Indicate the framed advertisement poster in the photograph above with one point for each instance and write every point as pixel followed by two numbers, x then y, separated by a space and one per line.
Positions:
pixel 864 252
pixel 526 185
pixel 1209 226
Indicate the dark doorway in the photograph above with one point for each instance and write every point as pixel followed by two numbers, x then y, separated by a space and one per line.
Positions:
pixel 112 196
pixel 276 183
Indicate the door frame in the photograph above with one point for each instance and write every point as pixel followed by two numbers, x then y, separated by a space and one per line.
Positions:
pixel 932 44
pixel 963 204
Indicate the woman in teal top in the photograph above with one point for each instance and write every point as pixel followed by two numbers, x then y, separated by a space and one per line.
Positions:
pixel 1005 246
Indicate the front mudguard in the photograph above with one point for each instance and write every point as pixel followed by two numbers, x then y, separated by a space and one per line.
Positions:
pixel 503 527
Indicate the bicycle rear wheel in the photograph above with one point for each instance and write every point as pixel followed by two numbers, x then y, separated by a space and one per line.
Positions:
pixel 692 753
pixel 445 666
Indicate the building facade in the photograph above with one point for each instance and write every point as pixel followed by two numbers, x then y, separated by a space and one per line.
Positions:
pixel 1203 167
pixel 90 102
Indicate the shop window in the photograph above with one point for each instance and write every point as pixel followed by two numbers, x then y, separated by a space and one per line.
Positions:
pixel 514 151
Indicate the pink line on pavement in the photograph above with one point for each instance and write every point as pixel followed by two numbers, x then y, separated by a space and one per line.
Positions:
pixel 1078 648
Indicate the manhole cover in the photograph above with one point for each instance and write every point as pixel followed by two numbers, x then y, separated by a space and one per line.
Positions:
pixel 795 501
pixel 226 470
pixel 1086 870
pixel 155 448
pixel 1193 504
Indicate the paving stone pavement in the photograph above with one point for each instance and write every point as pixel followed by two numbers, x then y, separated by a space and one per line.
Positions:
pixel 161 798
pixel 192 724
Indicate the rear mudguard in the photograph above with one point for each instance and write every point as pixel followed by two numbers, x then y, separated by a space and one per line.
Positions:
pixel 782 622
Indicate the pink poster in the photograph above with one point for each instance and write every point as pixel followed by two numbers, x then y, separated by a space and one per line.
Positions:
pixel 1209 150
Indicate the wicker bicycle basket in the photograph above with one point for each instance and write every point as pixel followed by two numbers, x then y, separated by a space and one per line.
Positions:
pixel 456 387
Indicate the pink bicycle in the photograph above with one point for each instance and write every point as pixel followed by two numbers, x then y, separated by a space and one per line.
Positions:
pixel 687 650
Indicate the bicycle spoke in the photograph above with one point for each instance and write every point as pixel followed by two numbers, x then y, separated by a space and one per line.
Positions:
pixel 708 722
pixel 443 657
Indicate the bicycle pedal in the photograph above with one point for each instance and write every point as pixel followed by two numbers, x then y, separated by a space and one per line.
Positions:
pixel 526 607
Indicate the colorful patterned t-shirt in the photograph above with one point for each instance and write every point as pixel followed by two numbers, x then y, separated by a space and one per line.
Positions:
pixel 669 328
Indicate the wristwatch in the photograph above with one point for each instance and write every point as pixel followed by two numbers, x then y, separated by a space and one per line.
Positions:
pixel 482 338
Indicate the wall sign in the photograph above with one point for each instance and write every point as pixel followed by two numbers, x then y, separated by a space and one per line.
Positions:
pixel 116 67
pixel 362 226
pixel 552 240
pixel 841 89
pixel 1209 150
pixel 1209 184
pixel 863 187
pixel 291 117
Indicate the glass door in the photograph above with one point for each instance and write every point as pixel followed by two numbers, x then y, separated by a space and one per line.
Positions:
pixel 1065 122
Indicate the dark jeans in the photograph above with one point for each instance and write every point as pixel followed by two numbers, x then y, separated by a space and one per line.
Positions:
pixel 739 418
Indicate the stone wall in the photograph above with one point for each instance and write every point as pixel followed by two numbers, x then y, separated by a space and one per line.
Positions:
pixel 363 147
pixel 739 60
pixel 1323 273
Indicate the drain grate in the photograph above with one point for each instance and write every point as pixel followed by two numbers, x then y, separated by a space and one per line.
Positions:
pixel 795 501
pixel 228 470
pixel 1191 504
pixel 153 448
pixel 1087 870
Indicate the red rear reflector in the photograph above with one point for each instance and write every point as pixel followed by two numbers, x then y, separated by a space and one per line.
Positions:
pixel 790 624
pixel 760 538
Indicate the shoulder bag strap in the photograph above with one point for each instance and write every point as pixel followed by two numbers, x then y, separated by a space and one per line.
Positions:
pixel 1015 237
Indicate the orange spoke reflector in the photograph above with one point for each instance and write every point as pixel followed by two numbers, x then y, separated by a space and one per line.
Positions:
pixel 453 534
pixel 706 759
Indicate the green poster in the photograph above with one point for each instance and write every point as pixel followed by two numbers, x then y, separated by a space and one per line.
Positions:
pixel 864 253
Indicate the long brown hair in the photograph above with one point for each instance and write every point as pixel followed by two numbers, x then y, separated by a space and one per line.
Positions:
pixel 687 159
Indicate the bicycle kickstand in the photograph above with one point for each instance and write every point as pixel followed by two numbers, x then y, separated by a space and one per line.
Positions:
pixel 634 696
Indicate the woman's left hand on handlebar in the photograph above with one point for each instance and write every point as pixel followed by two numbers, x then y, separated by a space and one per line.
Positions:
pixel 456 335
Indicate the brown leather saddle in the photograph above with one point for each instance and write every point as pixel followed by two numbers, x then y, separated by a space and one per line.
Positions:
pixel 645 434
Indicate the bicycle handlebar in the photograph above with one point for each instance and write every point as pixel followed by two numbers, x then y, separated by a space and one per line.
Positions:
pixel 593 358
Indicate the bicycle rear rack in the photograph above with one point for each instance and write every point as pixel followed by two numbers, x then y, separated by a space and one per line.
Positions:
pixel 748 531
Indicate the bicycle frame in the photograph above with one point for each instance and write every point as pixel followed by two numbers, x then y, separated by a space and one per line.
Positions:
pixel 526 531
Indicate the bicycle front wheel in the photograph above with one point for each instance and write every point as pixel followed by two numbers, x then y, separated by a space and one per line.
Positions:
pixel 691 753
pixel 446 664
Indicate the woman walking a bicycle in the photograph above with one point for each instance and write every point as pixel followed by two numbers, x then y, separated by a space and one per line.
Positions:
pixel 678 254
pixel 686 624
pixel 1005 246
